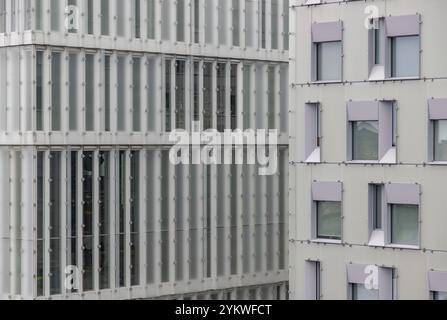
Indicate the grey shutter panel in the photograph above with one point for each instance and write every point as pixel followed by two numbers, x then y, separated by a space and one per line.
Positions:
pixel 327 191
pixel 403 194
pixel 437 109
pixel 437 281
pixel 327 31
pixel 403 25
pixel 363 111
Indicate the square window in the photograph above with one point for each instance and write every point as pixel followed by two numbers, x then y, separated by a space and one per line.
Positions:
pixel 365 140
pixel 440 140
pixel 360 292
pixel 405 56
pixel 405 224
pixel 329 61
pixel 328 220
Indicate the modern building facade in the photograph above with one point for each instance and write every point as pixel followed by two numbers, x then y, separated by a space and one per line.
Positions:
pixel 368 149
pixel 89 93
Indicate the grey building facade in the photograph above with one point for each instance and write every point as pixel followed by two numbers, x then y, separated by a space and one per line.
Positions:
pixel 90 205
pixel 367 150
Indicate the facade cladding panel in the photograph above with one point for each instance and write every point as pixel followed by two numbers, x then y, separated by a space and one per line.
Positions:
pixel 88 192
pixel 392 205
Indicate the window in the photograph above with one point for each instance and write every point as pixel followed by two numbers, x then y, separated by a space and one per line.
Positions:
pixel 247 91
pixel 73 91
pixel 440 295
pixel 327 210
pixel 136 19
pixel 72 218
pixel 274 23
pixel 104 219
pixel 377 44
pixel 136 93
pixel 360 292
pixel 73 23
pixel 121 220
pixel 394 48
pixel 222 21
pixel 404 224
pixel 440 140
pixel 107 92
pixel 196 19
pixel 376 205
pixel 285 27
pixel 165 22
pixel 221 96
pixel 90 16
pixel 196 92
pixel 120 18
pixel 207 95
pixel 165 208
pixel 329 61
pixel 378 59
pixel 39 90
pixel 121 91
pixel 105 13
pixel 312 280
pixel 365 140
pixel 87 220
pixel 40 254
pixel 134 218
pixel 55 205
pixel 400 214
pixel 371 282
pixel 437 135
pixel 152 93
pixel 437 283
pixel 236 22
pixel 56 86
pixel 234 96
pixel 262 21
pixel 271 97
pixel 312 118
pixel 167 95
pixel 372 131
pixel 328 220
pixel 39 14
pixel 180 20
pixel 150 6
pixel 327 51
pixel 249 23
pixel 209 22
pixel 55 14
pixel 2 16
pixel 405 57
pixel 89 92
pixel 180 94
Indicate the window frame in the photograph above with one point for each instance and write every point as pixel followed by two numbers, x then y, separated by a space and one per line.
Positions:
pixel 317 77
pixel 317 212
pixel 353 139
pixel 326 32
pixel 385 113
pixel 391 209
pixel 313 129
pixel 391 59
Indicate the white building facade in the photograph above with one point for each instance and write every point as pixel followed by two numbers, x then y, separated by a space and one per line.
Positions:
pixel 368 150
pixel 89 92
